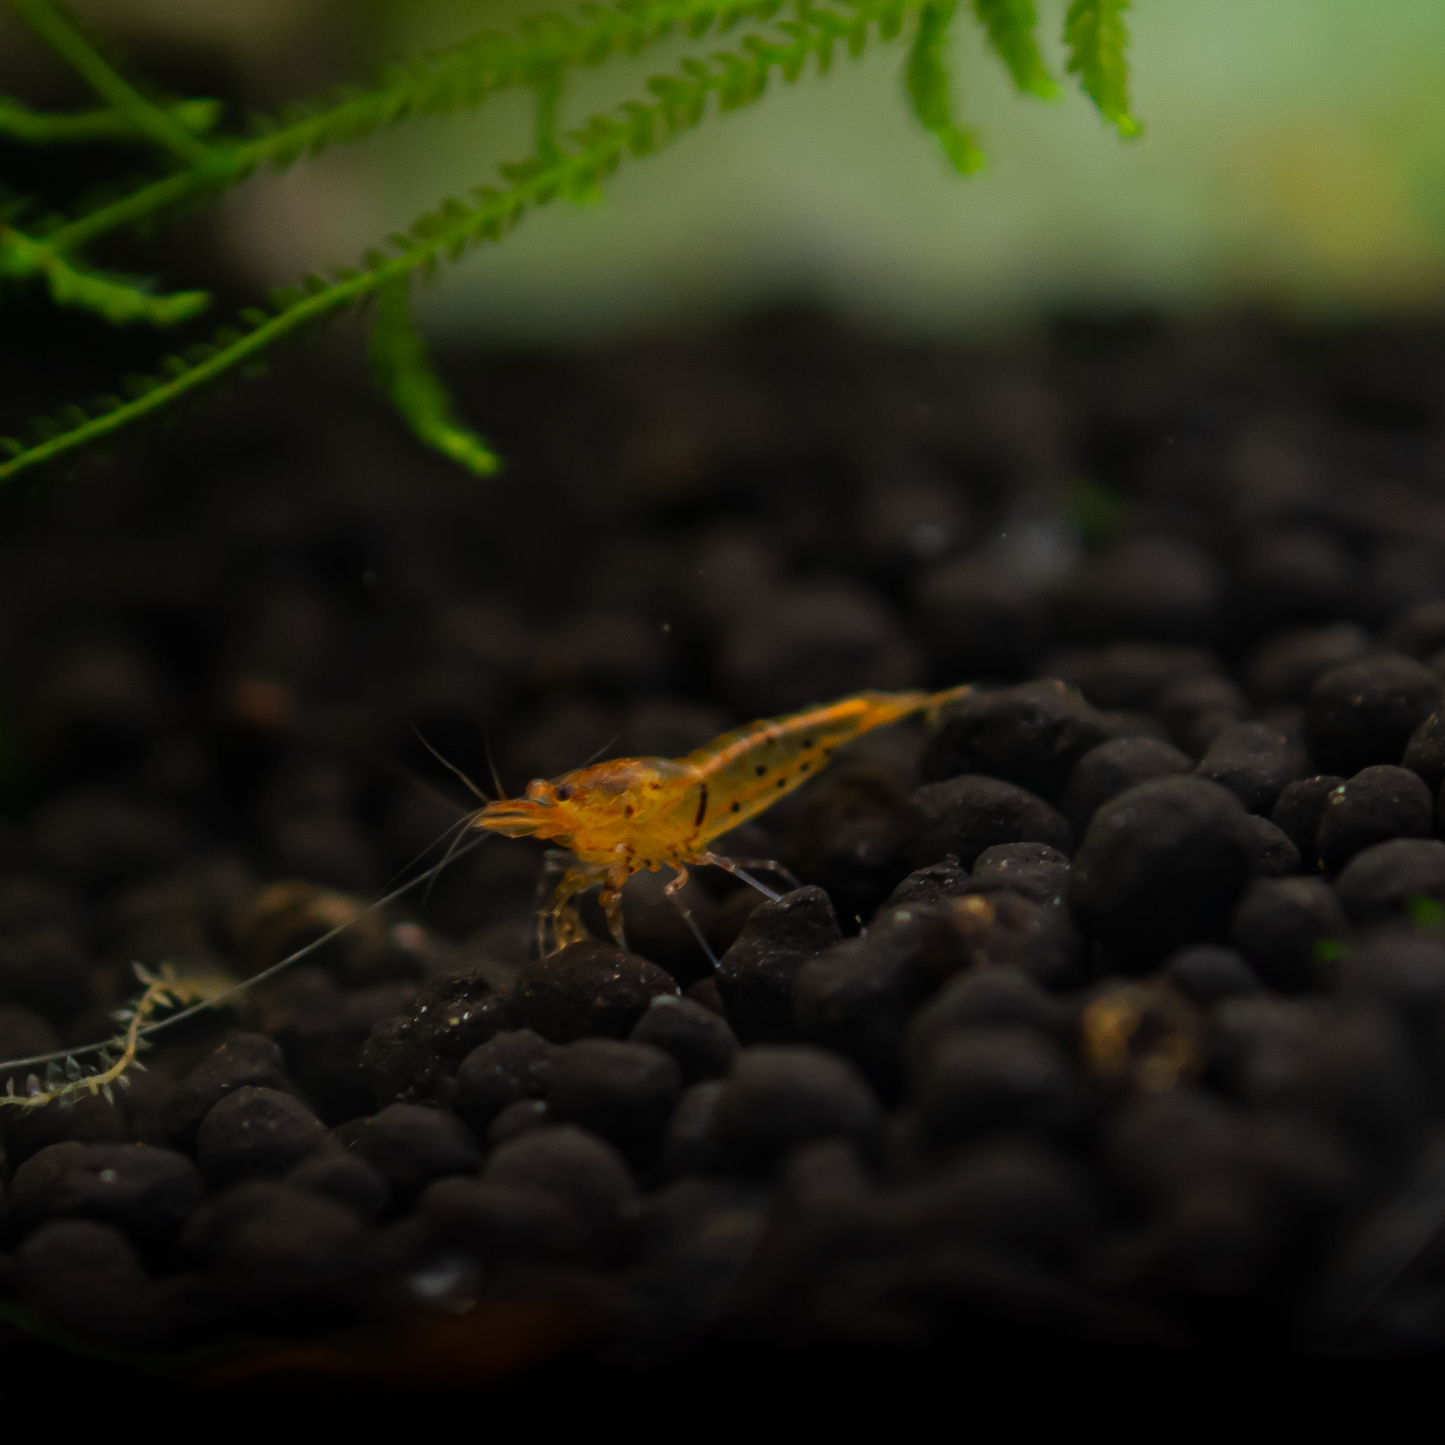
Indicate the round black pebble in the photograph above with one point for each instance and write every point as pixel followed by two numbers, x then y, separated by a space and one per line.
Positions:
pixel 88 1278
pixel 1278 924
pixel 89 1120
pixel 656 929
pixel 148 1192
pixel 589 989
pixel 1297 814
pixel 702 1043
pixel 1034 870
pixel 505 1225
pixel 852 838
pixel 778 1097
pixel 1209 972
pixel 1379 883
pixel 692 1142
pixel 507 1068
pixel 518 1118
pixel 345 1179
pixel 1273 853
pixel 932 884
pixel 1129 675
pixel 1031 735
pixel 1017 1193
pixel 1425 752
pixel 1379 803
pixel 572 1164
pixel 270 1241
pixel 413 1057
pixel 964 816
pixel 1161 1146
pixel 1007 930
pixel 623 1092
pixel 1404 966
pixel 1363 713
pixel 996 1077
pixel 1115 767
pixel 255 1132
pixel 247 1059
pixel 1184 706
pixel 982 998
pixel 1283 668
pixel 1253 761
pixel 1161 866
pixel 759 971
pixel 857 997
pixel 409 1145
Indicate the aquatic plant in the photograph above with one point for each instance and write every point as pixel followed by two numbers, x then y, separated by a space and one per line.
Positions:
pixel 194 156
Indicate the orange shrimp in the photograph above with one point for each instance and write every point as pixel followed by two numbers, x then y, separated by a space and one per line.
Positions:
pixel 620 817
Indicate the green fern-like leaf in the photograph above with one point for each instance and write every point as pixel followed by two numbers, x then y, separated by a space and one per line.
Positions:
pixel 582 159
pixel 143 115
pixel 120 302
pixel 1098 40
pixel 598 147
pixel 402 370
pixel 1010 25
pixel 34 127
pixel 928 84
pixel 443 83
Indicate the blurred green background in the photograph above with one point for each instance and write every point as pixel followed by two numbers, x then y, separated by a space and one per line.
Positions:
pixel 1294 159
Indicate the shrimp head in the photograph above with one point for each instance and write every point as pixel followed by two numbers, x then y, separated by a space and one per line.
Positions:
pixel 601 813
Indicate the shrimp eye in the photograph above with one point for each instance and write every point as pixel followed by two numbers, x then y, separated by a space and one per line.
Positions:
pixel 564 791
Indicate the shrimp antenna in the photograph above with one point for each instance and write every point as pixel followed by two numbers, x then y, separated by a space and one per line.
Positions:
pixel 452 849
pixel 459 828
pixel 492 762
pixel 604 748
pixel 451 767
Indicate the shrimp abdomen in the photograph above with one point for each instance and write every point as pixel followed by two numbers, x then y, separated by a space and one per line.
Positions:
pixel 747 770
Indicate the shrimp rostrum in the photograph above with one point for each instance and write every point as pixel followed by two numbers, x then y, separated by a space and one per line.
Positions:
pixel 620 817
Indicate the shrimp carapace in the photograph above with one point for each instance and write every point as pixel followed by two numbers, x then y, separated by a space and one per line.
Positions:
pixel 630 814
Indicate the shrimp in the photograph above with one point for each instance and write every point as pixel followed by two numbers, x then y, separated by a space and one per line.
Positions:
pixel 620 817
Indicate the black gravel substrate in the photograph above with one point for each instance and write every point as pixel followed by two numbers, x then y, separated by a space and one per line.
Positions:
pixel 1109 1024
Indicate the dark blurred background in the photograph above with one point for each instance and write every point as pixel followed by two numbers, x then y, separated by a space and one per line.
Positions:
pixel 1294 158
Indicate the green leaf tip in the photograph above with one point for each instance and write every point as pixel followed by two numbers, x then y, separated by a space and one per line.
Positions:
pixel 1010 25
pixel 927 81
pixel 570 165
pixel 403 371
pixel 120 302
pixel 1097 37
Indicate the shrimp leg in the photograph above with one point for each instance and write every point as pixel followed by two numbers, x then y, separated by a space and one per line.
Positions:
pixel 561 913
pixel 611 900
pixel 670 893
pixel 736 866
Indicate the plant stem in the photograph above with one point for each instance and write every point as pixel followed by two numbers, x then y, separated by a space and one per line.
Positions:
pixel 37 127
pixel 73 48
pixel 485 64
